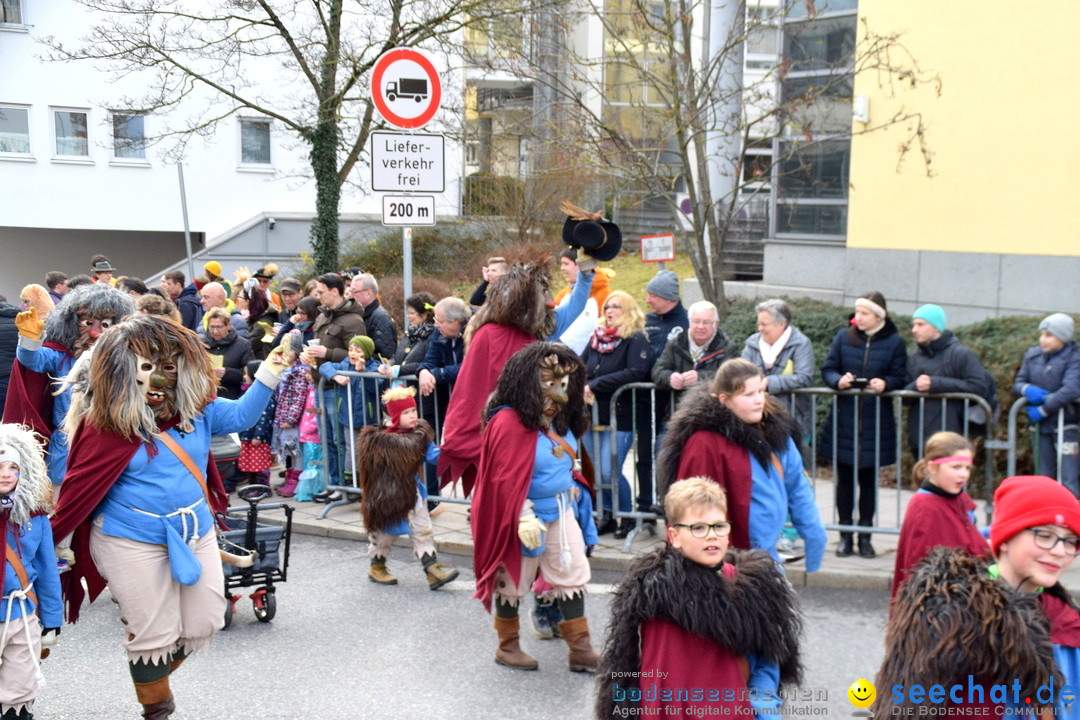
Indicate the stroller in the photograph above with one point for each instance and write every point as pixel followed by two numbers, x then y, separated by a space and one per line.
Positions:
pixel 263 548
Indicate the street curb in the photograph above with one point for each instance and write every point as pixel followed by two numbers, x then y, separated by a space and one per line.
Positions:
pixel 874 580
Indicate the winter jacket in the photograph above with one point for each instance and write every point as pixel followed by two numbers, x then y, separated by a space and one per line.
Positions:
pixel 676 359
pixel 309 423
pixel 412 349
pixel 236 353
pixel 191 309
pixel 759 466
pixel 661 328
pixel 443 358
pixel 263 429
pixel 794 368
pixel 953 368
pixel 365 393
pixel 258 331
pixel 291 396
pixel 1058 372
pixel 628 362
pixel 9 341
pixel 881 355
pixel 479 295
pixel 335 327
pixel 381 329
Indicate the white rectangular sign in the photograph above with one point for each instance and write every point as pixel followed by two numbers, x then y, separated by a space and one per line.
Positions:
pixel 407 162
pixel 408 210
pixel 658 248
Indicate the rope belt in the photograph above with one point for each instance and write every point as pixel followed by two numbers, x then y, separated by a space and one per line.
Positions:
pixel 22 596
pixel 184 513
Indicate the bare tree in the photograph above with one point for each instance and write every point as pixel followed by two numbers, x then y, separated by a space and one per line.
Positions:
pixel 196 61
pixel 665 108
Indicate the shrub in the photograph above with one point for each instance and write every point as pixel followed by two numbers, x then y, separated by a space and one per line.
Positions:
pixel 392 296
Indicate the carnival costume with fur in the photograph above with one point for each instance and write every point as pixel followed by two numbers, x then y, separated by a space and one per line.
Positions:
pixel 138 511
pixel 935 518
pixel 726 630
pixel 706 439
pixel 515 314
pixel 952 620
pixel 388 463
pixel 25 609
pixel 526 479
pixel 35 394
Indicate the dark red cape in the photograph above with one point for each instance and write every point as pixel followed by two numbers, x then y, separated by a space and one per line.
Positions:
pixel 713 455
pixel 96 460
pixel 1064 620
pixel 29 396
pixel 506 467
pixel 488 351
pixel 934 521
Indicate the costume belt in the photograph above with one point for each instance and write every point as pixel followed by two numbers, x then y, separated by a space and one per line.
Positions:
pixel 185 567
pixel 22 596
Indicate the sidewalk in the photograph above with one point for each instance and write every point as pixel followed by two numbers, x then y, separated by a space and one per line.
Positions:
pixel 452 535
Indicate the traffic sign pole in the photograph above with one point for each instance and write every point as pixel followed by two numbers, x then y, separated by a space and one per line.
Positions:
pixel 406 270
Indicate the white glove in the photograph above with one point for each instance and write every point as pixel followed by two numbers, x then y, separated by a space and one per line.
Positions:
pixel 531 529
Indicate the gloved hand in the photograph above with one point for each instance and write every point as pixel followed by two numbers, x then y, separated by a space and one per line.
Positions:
pixel 530 530
pixel 1035 395
pixel 585 263
pixel 65 554
pixel 269 372
pixel 29 324
pixel 48 639
pixel 1035 414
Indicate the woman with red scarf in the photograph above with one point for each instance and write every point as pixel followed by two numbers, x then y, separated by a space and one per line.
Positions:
pixel 618 353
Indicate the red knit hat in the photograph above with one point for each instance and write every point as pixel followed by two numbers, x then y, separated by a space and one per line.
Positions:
pixel 1028 501
pixel 396 407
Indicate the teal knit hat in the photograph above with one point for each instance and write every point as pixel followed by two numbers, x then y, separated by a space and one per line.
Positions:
pixel 932 314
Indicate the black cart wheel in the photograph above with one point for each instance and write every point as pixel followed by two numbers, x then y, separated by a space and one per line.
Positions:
pixel 267 608
pixel 228 611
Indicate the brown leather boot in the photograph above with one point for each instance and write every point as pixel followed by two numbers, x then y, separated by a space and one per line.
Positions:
pixel 156 699
pixel 582 656
pixel 378 573
pixel 510 653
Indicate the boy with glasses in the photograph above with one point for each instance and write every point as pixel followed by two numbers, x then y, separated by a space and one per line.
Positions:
pixel 698 630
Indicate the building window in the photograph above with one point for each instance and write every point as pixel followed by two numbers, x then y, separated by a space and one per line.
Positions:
pixel 11 12
pixel 14 129
pixel 129 137
pixel 472 152
pixel 71 130
pixel 254 141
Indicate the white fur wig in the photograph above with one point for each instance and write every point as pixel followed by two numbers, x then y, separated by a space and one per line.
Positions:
pixel 33 493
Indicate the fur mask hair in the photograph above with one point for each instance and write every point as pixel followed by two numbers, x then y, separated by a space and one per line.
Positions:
pixel 100 301
pixel 951 619
pixel 519 299
pixel 113 401
pixel 519 388
pixel 34 491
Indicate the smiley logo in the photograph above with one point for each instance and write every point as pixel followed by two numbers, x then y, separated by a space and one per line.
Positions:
pixel 861 693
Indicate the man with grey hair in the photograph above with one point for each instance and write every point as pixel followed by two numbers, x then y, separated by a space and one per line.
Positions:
pixel 785 355
pixel 380 326
pixel 693 356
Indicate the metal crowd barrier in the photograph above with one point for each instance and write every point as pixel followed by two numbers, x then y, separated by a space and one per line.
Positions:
pixel 349 486
pixel 892 401
pixel 1062 446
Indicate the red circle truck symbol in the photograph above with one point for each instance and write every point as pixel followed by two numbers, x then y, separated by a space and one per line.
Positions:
pixel 406 88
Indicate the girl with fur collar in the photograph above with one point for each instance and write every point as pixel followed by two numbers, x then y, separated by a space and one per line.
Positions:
pixel 958 621
pixel 692 616
pixel 748 444
pixel 31 584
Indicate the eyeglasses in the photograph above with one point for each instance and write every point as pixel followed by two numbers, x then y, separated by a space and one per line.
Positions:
pixel 1048 541
pixel 701 530
pixel 613 307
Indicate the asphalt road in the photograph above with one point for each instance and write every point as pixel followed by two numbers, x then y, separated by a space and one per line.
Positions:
pixel 342 647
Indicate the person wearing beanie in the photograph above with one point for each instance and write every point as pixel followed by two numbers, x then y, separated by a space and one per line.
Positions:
pixel 388 463
pixel 869 356
pixel 958 620
pixel 213 274
pixel 1049 379
pixel 350 393
pixel 941 364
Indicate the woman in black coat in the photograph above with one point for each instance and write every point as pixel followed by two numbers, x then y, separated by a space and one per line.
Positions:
pixel 420 312
pixel 617 354
pixel 235 351
pixel 871 356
